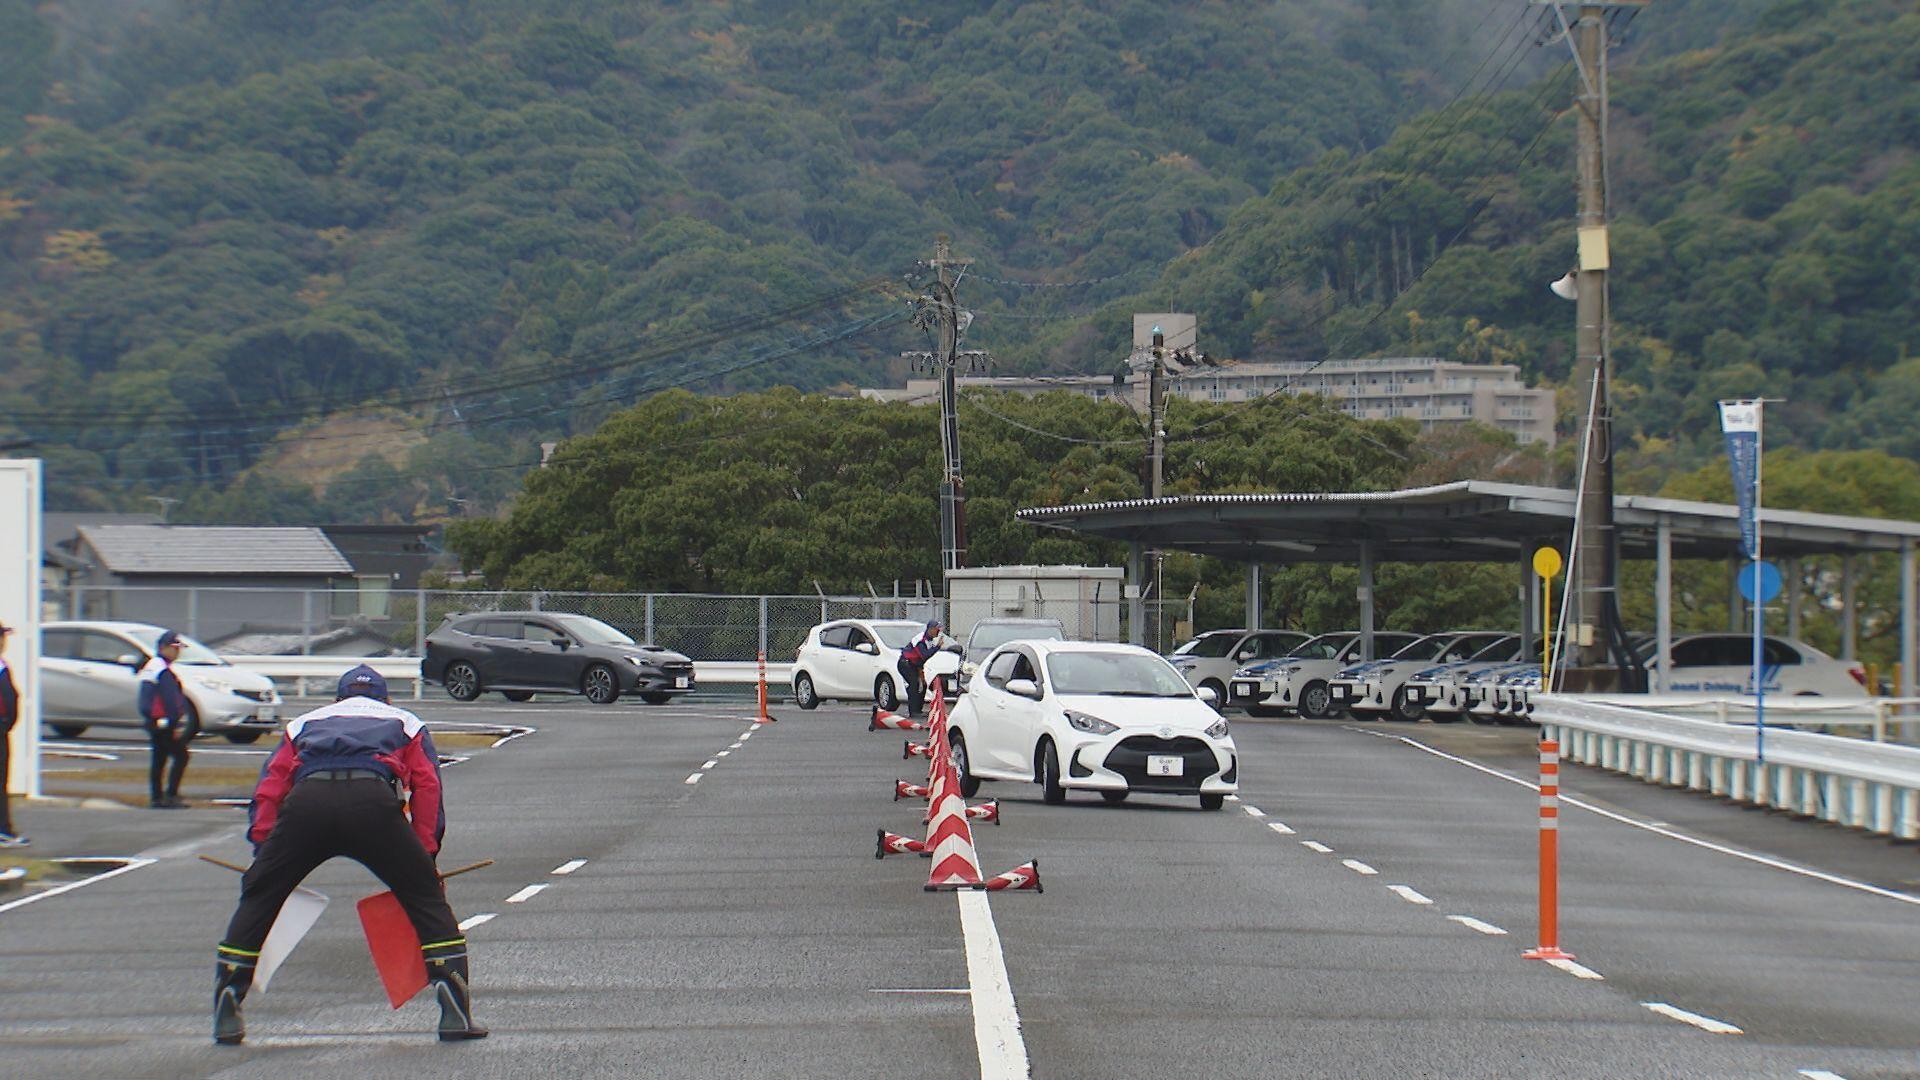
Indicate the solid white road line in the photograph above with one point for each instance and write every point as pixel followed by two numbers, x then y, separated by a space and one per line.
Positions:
pixel 1409 894
pixel 917 990
pixel 1578 971
pixel 1279 828
pixel 472 921
pixel 1315 845
pixel 1358 867
pixel 1254 811
pixel 1472 923
pixel 1704 1023
pixel 132 865
pixel 568 867
pixel 996 1022
pixel 695 778
pixel 527 893
pixel 1569 800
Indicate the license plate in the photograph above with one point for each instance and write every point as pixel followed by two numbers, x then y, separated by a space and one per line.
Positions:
pixel 680 683
pixel 1245 689
pixel 1266 686
pixel 268 715
pixel 1165 765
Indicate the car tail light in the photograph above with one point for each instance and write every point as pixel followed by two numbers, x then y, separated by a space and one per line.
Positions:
pixel 1859 674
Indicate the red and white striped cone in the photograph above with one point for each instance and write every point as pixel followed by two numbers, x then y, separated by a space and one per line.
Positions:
pixel 1022 878
pixel 892 843
pixel 986 811
pixel 904 790
pixel 950 838
pixel 940 784
pixel 911 749
pixel 882 720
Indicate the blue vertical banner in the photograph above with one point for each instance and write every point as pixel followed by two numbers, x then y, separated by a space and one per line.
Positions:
pixel 1740 423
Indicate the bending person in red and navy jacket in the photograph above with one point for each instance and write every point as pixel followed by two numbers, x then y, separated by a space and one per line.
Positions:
pixel 358 778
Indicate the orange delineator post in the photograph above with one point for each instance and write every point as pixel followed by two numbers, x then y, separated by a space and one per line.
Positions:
pixel 1549 947
pixel 762 717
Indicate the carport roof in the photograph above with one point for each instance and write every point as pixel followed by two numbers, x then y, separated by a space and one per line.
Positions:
pixel 1467 521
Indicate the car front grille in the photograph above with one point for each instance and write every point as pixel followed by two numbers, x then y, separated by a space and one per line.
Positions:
pixel 253 695
pixel 1129 759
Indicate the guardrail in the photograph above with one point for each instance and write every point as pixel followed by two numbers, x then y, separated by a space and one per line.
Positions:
pixel 301 671
pixel 1875 715
pixel 1865 785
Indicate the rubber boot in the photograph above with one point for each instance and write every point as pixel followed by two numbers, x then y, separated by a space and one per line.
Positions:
pixel 232 978
pixel 449 978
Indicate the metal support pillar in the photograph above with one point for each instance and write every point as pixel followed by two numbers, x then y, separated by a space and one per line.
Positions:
pixel 1849 612
pixel 1365 594
pixel 1136 594
pixel 1663 603
pixel 1255 601
pixel 1529 596
pixel 1793 599
pixel 1908 653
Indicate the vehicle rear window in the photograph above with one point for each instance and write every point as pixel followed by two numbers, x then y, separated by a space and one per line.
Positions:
pixel 835 637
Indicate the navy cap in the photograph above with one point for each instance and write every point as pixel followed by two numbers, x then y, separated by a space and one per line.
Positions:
pixel 166 639
pixel 362 681
pixel 933 624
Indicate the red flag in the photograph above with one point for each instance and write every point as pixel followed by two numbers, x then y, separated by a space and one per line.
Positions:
pixel 395 947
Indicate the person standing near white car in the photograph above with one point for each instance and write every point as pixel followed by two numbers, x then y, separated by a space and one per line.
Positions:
pixel 913 663
pixel 164 714
pixel 9 715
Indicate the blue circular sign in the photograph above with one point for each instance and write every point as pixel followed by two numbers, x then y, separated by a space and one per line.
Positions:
pixel 1769 581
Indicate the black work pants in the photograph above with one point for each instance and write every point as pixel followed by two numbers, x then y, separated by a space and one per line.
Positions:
pixel 360 819
pixel 167 745
pixel 916 687
pixel 6 762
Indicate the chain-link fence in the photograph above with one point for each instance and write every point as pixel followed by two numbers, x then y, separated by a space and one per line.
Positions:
pixel 349 622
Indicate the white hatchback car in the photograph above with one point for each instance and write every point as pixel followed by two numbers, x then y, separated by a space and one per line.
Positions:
pixel 90 675
pixel 1211 659
pixel 1109 718
pixel 858 660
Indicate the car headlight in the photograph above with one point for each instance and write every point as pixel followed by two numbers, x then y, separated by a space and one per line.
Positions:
pixel 638 661
pixel 1218 730
pixel 1092 725
pixel 1293 669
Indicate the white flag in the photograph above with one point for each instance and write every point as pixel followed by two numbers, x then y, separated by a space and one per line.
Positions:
pixel 297 916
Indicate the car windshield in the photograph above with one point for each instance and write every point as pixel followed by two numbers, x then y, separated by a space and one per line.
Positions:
pixel 191 651
pixel 1115 674
pixel 991 636
pixel 591 631
pixel 1210 646
pixel 1324 647
pixel 1506 648
pixel 897 635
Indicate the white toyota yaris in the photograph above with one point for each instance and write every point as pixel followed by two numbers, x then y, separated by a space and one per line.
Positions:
pixel 1109 718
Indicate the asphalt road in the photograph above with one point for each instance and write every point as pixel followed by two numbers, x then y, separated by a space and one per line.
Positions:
pixel 723 916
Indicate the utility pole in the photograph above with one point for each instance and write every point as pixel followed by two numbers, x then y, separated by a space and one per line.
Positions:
pixel 1157 414
pixel 1599 639
pixel 938 312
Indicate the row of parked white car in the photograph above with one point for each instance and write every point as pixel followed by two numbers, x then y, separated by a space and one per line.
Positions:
pixel 1476 674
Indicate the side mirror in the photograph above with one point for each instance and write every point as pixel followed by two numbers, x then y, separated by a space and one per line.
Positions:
pixel 1207 695
pixel 969 669
pixel 866 647
pixel 132 660
pixel 1025 688
pixel 1244 654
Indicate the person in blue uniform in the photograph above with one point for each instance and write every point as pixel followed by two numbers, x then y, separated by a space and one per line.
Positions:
pixel 170 724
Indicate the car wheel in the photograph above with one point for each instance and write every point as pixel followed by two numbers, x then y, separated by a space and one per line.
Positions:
pixel 517 695
pixel 804 695
pixel 461 680
pixel 1219 693
pixel 1405 707
pixel 1050 790
pixel 1114 798
pixel 656 699
pixel 1212 802
pixel 68 731
pixel 962 766
pixel 1316 702
pixel 1268 711
pixel 599 685
pixel 244 738
pixel 885 694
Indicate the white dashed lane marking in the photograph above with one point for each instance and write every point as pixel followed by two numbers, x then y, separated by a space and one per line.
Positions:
pixel 1315 845
pixel 1704 1023
pixel 1578 971
pixel 1280 828
pixel 472 921
pixel 1358 867
pixel 1254 811
pixel 695 778
pixel 526 894
pixel 1472 923
pixel 1821 1074
pixel 711 762
pixel 568 867
pixel 1409 894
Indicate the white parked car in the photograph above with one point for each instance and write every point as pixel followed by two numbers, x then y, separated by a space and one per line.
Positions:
pixel 1442 689
pixel 1379 687
pixel 858 660
pixel 90 674
pixel 1722 665
pixel 1211 659
pixel 1299 682
pixel 1109 718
